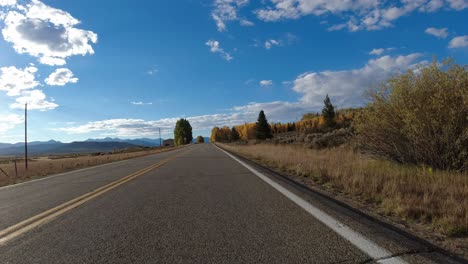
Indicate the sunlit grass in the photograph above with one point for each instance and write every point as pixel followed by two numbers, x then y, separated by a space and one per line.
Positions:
pixel 438 199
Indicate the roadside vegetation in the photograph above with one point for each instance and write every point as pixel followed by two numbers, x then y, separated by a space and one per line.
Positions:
pixel 44 166
pixel 403 155
pixel 419 118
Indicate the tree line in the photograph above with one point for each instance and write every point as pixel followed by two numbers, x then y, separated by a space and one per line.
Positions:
pixel 328 120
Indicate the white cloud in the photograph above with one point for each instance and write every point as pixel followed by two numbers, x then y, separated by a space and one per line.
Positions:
pixel 377 51
pixel 358 14
pixel 9 121
pixel 380 51
pixel 35 99
pixel 266 83
pixel 14 80
pixel 141 103
pixel 216 48
pixel 276 111
pixel 46 33
pixel 458 4
pixel 438 32
pixel 347 87
pixel 227 10
pixel 459 42
pixel 246 23
pixel 7 2
pixel 60 77
pixel 271 42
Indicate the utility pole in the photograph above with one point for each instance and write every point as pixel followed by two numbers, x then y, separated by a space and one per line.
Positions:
pixel 26 136
pixel 160 143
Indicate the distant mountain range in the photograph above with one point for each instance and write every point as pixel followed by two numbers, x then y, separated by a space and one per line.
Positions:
pixel 88 146
pixel 147 142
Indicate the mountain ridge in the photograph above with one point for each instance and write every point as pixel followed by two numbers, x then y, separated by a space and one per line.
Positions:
pixel 88 146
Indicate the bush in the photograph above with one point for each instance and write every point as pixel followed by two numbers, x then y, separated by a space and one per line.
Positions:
pixel 420 117
pixel 331 139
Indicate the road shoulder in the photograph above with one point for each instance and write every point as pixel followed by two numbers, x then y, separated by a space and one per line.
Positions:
pixel 400 239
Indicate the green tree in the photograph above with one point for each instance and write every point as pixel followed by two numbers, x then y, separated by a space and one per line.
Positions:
pixel 183 132
pixel 263 130
pixel 200 139
pixel 234 134
pixel 328 112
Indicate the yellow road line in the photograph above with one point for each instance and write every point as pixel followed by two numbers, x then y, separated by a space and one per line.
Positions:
pixel 44 217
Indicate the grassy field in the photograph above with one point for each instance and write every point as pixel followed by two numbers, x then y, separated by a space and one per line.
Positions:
pixel 436 200
pixel 44 166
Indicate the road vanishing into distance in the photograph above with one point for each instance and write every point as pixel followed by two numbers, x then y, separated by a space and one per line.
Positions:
pixel 196 204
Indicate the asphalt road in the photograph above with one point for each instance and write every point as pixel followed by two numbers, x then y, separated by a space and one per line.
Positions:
pixel 201 206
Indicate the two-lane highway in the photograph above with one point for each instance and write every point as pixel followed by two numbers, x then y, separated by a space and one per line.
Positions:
pixel 199 206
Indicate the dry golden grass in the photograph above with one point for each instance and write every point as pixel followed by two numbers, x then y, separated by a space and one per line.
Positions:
pixel 44 166
pixel 436 199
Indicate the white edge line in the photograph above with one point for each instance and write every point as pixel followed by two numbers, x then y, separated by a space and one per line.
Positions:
pixel 79 170
pixel 364 244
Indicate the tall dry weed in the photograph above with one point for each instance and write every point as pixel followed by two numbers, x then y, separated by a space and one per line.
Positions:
pixel 435 198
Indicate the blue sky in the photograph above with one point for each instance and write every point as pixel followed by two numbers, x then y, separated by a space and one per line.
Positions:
pixel 91 69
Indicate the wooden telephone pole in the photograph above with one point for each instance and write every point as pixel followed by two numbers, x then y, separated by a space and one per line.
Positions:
pixel 26 136
pixel 160 143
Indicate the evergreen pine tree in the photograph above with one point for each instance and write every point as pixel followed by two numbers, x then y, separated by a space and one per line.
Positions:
pixel 234 134
pixel 328 112
pixel 263 130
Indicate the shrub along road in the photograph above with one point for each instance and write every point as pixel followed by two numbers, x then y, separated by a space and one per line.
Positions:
pixel 191 205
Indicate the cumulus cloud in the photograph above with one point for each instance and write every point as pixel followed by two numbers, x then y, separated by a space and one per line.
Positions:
pixel 216 48
pixel 227 10
pixel 35 99
pixel 270 43
pixel 458 4
pixel 9 121
pixel 14 80
pixel 276 111
pixel 266 83
pixel 358 14
pixel 140 127
pixel 7 2
pixel 459 42
pixel 60 77
pixel 437 32
pixel 46 33
pixel 347 86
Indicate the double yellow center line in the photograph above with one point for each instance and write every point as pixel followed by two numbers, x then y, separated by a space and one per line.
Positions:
pixel 44 217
